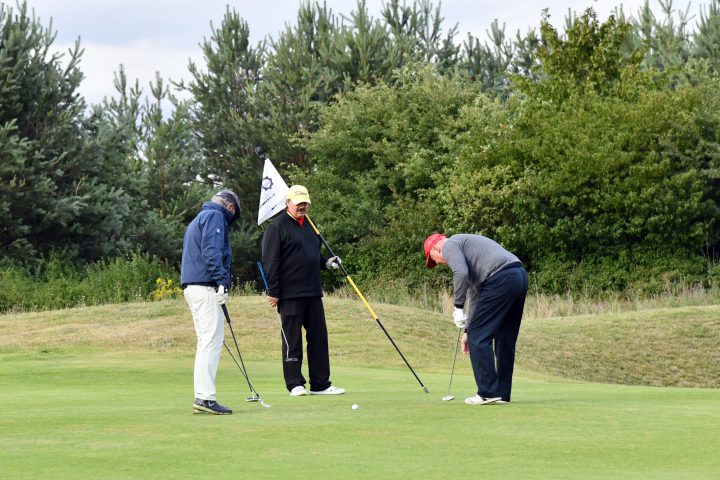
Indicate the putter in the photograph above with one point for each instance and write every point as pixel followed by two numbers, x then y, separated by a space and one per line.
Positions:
pixel 449 396
pixel 287 346
pixel 255 396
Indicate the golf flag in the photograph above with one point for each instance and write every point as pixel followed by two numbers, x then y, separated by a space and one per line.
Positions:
pixel 272 193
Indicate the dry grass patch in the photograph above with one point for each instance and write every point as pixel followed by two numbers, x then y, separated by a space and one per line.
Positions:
pixel 662 346
pixel 166 326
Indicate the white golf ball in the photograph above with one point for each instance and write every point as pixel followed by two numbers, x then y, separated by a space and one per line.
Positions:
pixel 355 406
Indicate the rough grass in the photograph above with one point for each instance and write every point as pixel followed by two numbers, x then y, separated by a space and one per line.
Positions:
pixel 660 347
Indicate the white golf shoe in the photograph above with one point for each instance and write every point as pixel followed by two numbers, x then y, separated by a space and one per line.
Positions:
pixel 298 391
pixel 478 400
pixel 331 390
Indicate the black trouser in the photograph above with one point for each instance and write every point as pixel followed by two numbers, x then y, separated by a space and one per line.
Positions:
pixel 297 313
pixel 493 330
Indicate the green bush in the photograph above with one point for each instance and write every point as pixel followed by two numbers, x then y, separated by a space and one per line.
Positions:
pixel 635 274
pixel 123 279
pixel 15 283
pixel 56 282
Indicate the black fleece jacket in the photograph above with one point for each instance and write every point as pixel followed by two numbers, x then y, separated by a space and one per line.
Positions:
pixel 291 258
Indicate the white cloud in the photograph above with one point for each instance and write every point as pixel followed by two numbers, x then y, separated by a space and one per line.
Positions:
pixel 140 59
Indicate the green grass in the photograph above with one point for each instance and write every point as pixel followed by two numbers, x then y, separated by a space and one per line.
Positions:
pixel 105 392
pixel 127 415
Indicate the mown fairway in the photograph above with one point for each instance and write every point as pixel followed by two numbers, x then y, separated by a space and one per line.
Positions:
pixel 105 392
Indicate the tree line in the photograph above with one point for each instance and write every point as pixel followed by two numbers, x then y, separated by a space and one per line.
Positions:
pixel 590 151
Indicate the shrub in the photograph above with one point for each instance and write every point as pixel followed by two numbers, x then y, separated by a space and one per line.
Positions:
pixel 166 288
pixel 57 282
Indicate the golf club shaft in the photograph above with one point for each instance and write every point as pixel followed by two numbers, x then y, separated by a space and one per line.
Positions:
pixel 452 372
pixel 238 365
pixel 237 347
pixel 282 331
pixel 367 305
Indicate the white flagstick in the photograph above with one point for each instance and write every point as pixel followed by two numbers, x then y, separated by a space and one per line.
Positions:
pixel 272 193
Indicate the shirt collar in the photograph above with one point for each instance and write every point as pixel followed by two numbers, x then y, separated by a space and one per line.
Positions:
pixel 300 220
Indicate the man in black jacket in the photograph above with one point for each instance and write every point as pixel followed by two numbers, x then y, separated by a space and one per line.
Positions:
pixel 292 260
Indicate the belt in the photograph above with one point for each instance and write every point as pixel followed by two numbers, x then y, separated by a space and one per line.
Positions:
pixel 202 284
pixel 510 265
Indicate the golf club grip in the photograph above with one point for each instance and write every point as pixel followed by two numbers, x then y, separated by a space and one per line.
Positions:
pixel 324 242
pixel 225 312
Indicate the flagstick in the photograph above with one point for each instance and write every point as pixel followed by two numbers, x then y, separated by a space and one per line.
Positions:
pixel 367 305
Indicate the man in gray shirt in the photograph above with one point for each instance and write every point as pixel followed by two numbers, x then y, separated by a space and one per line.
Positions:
pixel 495 283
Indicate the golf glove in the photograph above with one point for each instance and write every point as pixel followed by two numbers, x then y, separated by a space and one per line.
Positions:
pixel 221 296
pixel 333 262
pixel 459 317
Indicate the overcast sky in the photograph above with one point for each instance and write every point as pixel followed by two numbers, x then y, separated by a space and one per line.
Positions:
pixel 162 35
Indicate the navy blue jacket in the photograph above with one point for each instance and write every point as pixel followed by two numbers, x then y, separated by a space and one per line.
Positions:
pixel 207 256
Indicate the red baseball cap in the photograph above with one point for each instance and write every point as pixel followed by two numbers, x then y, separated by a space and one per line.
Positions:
pixel 429 244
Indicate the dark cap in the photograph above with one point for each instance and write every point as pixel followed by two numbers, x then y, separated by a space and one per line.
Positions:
pixel 229 196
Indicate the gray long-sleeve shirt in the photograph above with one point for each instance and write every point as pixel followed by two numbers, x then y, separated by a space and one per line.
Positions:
pixel 473 259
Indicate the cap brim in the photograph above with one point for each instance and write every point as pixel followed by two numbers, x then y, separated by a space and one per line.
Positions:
pixel 430 263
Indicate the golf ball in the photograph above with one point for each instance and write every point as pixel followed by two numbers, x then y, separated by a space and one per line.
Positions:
pixel 355 406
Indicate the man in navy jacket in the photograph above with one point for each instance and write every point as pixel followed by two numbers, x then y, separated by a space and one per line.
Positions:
pixel 205 279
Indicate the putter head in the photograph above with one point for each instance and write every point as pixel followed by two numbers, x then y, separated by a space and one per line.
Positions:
pixel 258 399
pixel 425 389
pixel 447 398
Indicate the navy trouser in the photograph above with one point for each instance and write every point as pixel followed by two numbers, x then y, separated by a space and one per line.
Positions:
pixel 493 330
pixel 309 313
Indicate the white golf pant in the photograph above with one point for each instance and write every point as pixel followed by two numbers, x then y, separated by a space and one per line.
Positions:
pixel 209 324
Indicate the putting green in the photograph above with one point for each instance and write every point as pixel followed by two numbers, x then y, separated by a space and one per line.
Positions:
pixel 117 415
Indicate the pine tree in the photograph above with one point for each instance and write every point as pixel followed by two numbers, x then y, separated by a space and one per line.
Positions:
pixel 417 35
pixel 300 74
pixel 170 157
pixel 667 42
pixel 43 172
pixel 489 63
pixel 227 115
pixel 706 38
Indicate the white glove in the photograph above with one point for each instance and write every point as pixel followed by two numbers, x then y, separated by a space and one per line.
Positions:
pixel 221 296
pixel 459 317
pixel 333 262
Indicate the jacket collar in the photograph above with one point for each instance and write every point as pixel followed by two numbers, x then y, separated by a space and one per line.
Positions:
pixel 229 217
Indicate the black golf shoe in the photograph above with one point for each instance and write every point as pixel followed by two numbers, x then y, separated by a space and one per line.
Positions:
pixel 211 407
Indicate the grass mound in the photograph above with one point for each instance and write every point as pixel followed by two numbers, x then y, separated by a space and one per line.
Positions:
pixel 662 347
pixel 659 347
